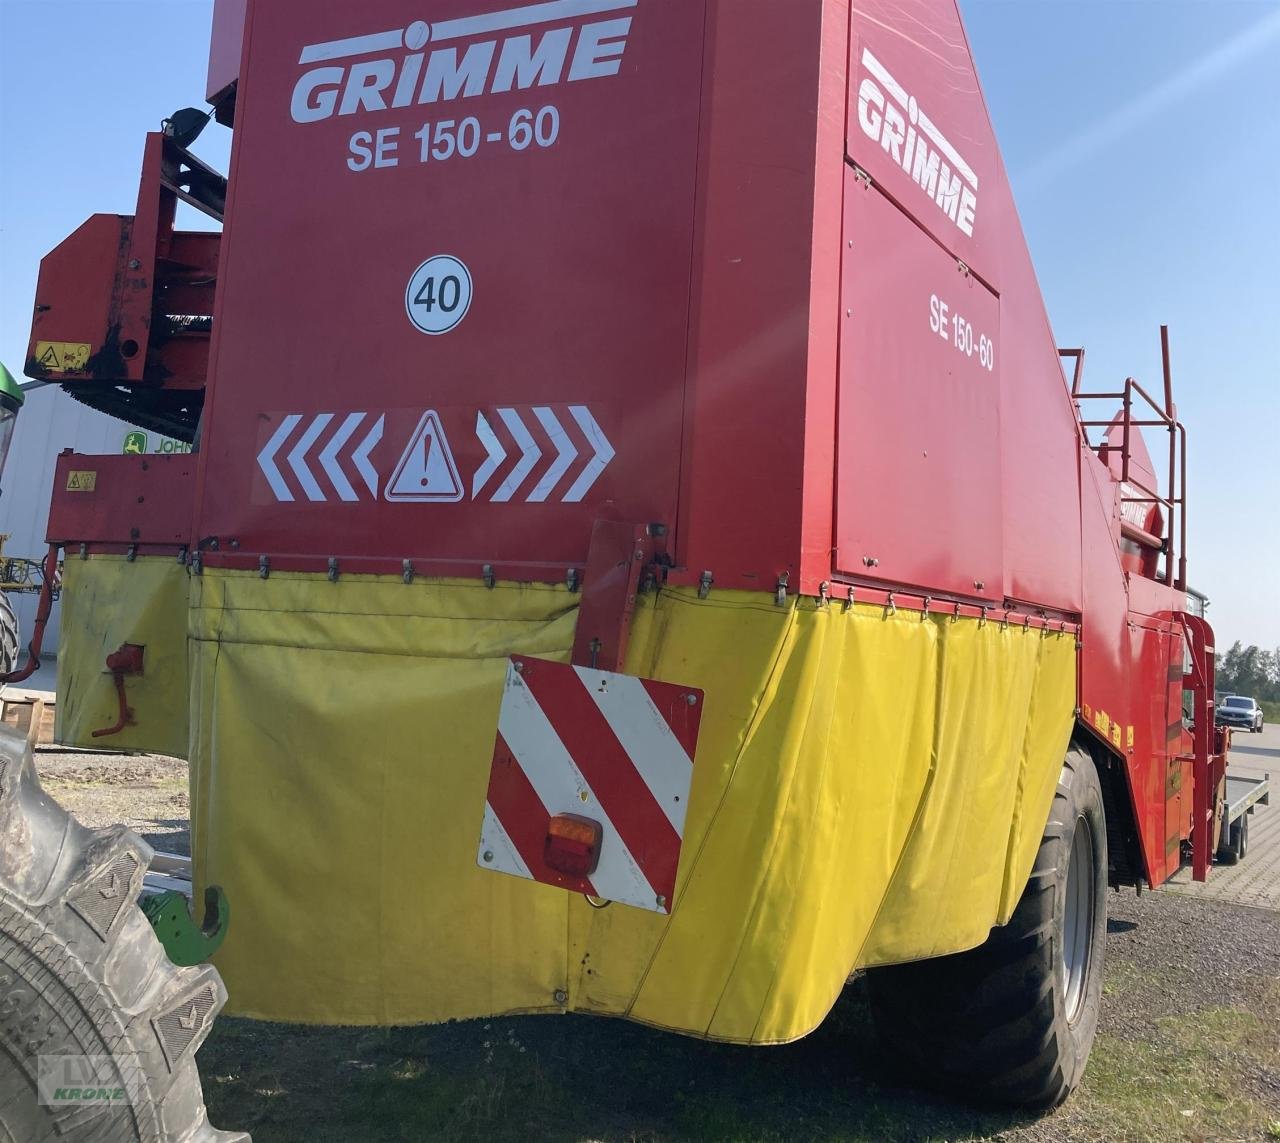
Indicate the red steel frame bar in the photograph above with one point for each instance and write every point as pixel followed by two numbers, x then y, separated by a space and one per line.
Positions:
pixel 1078 372
pixel 43 611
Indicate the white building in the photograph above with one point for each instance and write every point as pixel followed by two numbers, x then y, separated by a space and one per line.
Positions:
pixel 51 421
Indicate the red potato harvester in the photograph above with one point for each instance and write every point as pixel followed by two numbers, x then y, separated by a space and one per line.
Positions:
pixel 642 553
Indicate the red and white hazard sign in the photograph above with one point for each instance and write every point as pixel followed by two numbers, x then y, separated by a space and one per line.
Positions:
pixel 590 781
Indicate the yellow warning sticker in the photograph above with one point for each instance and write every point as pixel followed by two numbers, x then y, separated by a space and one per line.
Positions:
pixel 63 356
pixel 80 481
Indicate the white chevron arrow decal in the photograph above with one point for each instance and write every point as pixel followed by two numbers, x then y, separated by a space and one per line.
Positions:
pixel 315 475
pixel 329 458
pixel 567 454
pixel 530 455
pixel 298 458
pixel 496 455
pixel 364 467
pixel 604 453
pixel 267 457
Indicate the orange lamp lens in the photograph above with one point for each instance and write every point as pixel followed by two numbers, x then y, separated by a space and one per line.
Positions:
pixel 573 845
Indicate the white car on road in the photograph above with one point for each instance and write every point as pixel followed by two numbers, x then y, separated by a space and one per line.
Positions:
pixel 1238 711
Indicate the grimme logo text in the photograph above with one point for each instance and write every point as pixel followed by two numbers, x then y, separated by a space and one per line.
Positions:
pixel 911 139
pixel 537 45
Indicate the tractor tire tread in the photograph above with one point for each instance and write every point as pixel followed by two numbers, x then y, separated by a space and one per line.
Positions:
pixel 82 973
pixel 10 639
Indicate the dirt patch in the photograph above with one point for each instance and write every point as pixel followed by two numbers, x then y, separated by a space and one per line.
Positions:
pixel 147 792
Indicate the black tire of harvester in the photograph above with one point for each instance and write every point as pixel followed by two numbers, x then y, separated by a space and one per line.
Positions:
pixel 992 1025
pixel 9 638
pixel 82 973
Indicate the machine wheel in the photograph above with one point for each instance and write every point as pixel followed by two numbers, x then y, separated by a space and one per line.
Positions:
pixel 9 639
pixel 1226 853
pixel 1012 1021
pixel 83 976
pixel 1240 836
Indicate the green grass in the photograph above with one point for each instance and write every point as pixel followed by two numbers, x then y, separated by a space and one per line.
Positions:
pixel 1184 1082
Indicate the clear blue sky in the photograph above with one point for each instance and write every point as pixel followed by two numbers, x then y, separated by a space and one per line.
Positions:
pixel 1142 138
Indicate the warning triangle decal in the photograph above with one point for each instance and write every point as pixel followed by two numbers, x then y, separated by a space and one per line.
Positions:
pixel 49 359
pixel 426 471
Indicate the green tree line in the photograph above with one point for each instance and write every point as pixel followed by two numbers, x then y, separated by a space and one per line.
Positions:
pixel 1250 671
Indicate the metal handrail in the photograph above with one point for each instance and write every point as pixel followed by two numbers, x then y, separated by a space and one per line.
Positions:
pixel 1165 418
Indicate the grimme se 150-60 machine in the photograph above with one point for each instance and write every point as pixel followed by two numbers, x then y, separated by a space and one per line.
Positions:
pixel 642 553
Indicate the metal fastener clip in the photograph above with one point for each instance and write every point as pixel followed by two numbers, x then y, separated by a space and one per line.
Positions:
pixel 780 591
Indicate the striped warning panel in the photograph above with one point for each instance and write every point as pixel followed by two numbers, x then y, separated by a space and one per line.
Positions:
pixel 615 749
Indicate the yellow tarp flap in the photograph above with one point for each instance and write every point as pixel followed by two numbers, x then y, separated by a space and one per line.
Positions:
pixel 340 761
pixel 869 787
pixel 107 601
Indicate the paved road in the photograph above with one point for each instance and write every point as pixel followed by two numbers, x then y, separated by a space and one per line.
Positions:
pixel 1256 880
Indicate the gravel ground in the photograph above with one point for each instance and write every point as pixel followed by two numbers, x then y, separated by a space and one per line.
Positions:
pixel 145 791
pixel 1188 1047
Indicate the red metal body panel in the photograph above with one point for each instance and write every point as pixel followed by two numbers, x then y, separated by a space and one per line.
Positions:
pixel 918 482
pixel 226 46
pixel 918 126
pixel 618 563
pixel 137 292
pixel 757 489
pixel 579 252
pixel 1144 744
pixel 921 46
pixel 114 500
pixel 73 293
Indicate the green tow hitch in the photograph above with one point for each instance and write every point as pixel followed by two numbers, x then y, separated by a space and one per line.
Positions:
pixel 185 943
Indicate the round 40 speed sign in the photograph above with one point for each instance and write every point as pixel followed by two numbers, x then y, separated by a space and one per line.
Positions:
pixel 439 294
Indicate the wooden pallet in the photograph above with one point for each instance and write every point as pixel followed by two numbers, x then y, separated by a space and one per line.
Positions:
pixel 29 714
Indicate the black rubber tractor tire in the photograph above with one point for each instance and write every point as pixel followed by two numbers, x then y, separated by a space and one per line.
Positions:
pixel 10 640
pixel 1007 1023
pixel 83 976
